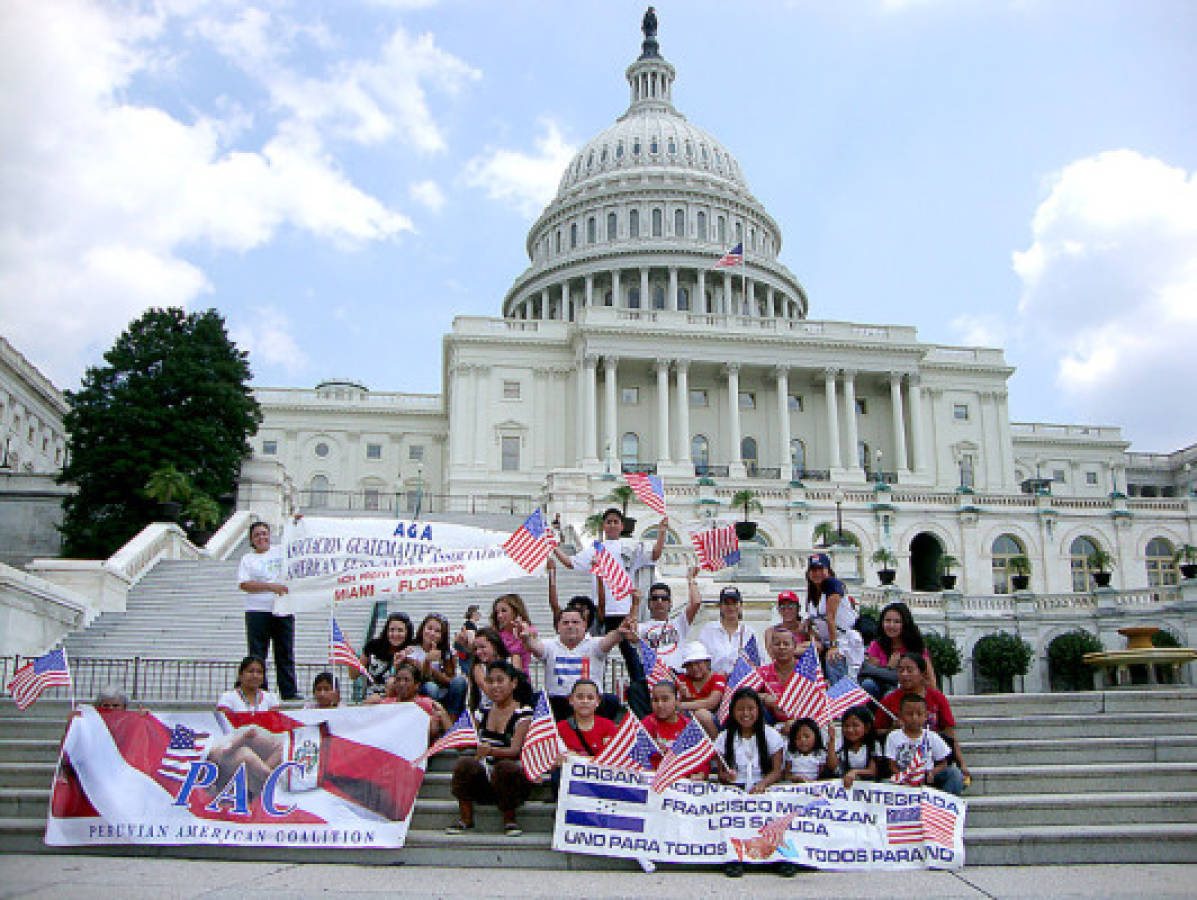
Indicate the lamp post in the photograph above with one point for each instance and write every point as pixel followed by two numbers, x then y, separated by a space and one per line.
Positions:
pixel 839 517
pixel 419 489
pixel 880 476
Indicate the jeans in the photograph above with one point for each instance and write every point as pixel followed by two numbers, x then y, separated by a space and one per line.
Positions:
pixel 872 687
pixel 451 695
pixel 261 630
pixel 835 669
pixel 950 780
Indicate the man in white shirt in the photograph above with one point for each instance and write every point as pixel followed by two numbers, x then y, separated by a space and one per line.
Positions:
pixel 571 655
pixel 260 576
pixel 664 633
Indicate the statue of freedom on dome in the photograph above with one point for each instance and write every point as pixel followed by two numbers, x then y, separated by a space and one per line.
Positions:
pixel 649 25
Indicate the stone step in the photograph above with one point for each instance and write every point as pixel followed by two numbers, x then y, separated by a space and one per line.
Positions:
pixel 1137 750
pixel 1077 703
pixel 1080 844
pixel 27 775
pixel 989 781
pixel 1023 810
pixel 1052 726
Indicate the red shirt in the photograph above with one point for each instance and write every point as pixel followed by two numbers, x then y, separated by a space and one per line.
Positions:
pixel 715 683
pixel 668 732
pixel 939 713
pixel 597 737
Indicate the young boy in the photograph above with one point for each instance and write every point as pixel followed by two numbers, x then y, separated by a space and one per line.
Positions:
pixel 573 655
pixel 902 745
pixel 324 692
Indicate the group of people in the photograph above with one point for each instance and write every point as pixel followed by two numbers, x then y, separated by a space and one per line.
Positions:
pixel 487 667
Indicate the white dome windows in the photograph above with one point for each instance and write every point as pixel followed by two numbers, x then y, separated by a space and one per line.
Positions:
pixel 634 223
pixel 591 229
pixel 654 145
pixel 636 147
pixel 590 161
pixel 573 235
pixel 701 220
pixel 619 150
pixel 672 147
pixel 612 226
pixel 679 223
pixel 721 229
pixel 658 222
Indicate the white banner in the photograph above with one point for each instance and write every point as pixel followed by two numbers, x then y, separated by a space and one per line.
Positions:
pixel 329 778
pixel 613 812
pixel 335 561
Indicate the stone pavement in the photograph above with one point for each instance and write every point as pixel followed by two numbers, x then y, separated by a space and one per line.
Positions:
pixel 56 876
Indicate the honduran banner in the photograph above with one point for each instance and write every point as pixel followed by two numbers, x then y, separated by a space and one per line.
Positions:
pixel 327 778
pixel 335 561
pixel 614 812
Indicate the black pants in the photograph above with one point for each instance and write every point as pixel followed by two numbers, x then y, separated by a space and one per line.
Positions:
pixel 638 697
pixel 263 629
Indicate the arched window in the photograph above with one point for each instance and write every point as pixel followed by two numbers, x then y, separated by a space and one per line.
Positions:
pixel 672 147
pixel 679 223
pixel 612 226
pixel 797 458
pixel 739 233
pixel 591 227
pixel 1161 563
pixel 658 297
pixel 683 298
pixel 634 223
pixel 558 241
pixel 318 491
pixel 748 454
pixel 1005 548
pixel 573 236
pixel 721 229
pixel 629 449
pixel 658 222
pixel 700 452
pixel 650 534
pixel 702 226
pixel 633 298
pixel 1082 575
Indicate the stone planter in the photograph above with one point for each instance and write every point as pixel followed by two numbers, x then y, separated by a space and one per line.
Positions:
pixel 1020 582
pixel 948 582
pixel 1102 579
pixel 886 576
pixel 746 531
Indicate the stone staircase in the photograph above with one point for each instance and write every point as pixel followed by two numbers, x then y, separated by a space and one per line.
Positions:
pixel 1057 779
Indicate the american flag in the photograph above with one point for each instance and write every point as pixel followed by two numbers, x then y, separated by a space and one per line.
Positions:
pixel 530 543
pixel 615 577
pixel 915 772
pixel 630 747
pixel 939 825
pixel 462 736
pixel 752 651
pixel 341 653
pixel 742 675
pixel 733 257
pixel 656 668
pixel 691 749
pixel 31 679
pixel 904 825
pixel 843 695
pixel 774 831
pixel 186 746
pixel 805 696
pixel 650 490
pixel 542 745
pixel 717 547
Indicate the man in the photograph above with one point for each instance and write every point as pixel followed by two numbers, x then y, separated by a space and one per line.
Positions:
pixel 666 634
pixel 571 655
pixel 260 575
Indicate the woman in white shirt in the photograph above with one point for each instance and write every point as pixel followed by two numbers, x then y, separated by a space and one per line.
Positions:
pixel 727 637
pixel 248 695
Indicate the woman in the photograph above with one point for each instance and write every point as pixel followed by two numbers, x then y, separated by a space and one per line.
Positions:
pixel 489 648
pixel 789 610
pixel 727 637
pixel 383 653
pixel 247 694
pixel 831 619
pixel 897 634
pixel 912 679
pixel 700 690
pixel 438 665
pixel 494 774
pixel 506 611
pixel 404 687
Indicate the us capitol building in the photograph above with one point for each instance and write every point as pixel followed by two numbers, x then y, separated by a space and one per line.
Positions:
pixel 621 348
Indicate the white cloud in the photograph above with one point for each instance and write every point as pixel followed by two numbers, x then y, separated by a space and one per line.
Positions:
pixel 524 181
pixel 1110 290
pixel 268 340
pixel 984 330
pixel 428 193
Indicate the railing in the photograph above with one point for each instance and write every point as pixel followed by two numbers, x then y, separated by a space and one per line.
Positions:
pixel 886 477
pixel 405 505
pixel 773 472
pixel 803 474
pixel 638 468
pixel 701 470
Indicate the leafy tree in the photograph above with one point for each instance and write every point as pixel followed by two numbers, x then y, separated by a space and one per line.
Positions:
pixel 173 392
pixel 945 655
pixel 1000 656
pixel 1066 660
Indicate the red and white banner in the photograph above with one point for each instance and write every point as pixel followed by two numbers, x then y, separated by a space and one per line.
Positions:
pixel 327 778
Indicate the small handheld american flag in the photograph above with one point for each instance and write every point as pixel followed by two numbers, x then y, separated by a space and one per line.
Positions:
pixel 615 577
pixel 805 696
pixel 542 745
pixel 531 543
pixel 742 675
pixel 843 695
pixel 462 736
pixel 691 749
pixel 650 489
pixel 340 653
pixel 915 772
pixel 31 679
pixel 733 257
pixel 717 547
pixel 751 651
pixel 656 668
pixel 630 747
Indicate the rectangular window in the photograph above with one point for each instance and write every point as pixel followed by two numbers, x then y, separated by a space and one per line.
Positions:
pixel 960 412
pixel 415 451
pixel 629 396
pixel 1058 475
pixel 370 498
pixel 511 454
pixel 795 402
pixel 270 448
pixel 747 400
pixel 862 406
pixel 511 390
pixel 967 475
pixel 1091 478
pixel 699 398
pixel 373 451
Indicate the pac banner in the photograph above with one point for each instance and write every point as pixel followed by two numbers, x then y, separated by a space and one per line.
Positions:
pixel 329 778
pixel 613 812
pixel 335 561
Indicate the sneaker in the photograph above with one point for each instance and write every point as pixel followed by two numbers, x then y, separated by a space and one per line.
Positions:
pixel 512 829
pixel 733 869
pixel 459 826
pixel 787 869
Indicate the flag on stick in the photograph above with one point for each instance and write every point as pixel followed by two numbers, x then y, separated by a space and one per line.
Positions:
pixel 742 675
pixel 752 652
pixel 615 577
pixel 805 696
pixel 650 489
pixel 915 772
pixel 656 669
pixel 843 695
pixel 730 259
pixel 462 736
pixel 542 745
pixel 531 543
pixel 631 747
pixel 717 547
pixel 31 679
pixel 691 749
pixel 341 653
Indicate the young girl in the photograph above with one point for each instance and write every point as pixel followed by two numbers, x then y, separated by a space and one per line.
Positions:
pixel 832 619
pixel 494 774
pixel 504 614
pixel 752 751
pixel 438 666
pixel 247 694
pixel 857 748
pixel 585 733
pixel 464 640
pixel 666 722
pixel 898 634
pixel 381 654
pixel 488 648
pixel 807 758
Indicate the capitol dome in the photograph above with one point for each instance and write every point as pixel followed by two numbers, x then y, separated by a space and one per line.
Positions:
pixel 643 212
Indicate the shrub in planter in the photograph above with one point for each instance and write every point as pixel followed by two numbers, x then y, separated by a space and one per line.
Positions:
pixel 1066 663
pixel 1165 639
pixel 1021 567
pixel 1186 559
pixel 1001 656
pixel 946 564
pixel 945 656
pixel 886 560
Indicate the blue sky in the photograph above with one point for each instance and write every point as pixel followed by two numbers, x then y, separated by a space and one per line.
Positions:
pixel 341 179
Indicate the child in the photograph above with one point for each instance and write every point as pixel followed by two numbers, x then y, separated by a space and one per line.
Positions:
pixel 325 693
pixel 438 665
pixel 585 733
pixel 856 747
pixel 247 694
pixel 505 613
pixel 666 721
pixel 463 642
pixel 808 759
pixel 403 687
pixel 903 743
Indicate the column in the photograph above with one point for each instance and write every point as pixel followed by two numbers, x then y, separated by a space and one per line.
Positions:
pixel 580 410
pixel 833 421
pixel 612 451
pixel 727 295
pixel 590 410
pixel 662 368
pixel 1003 414
pixel 700 302
pixel 750 297
pixel 770 303
pixel 566 297
pixel 481 414
pixel 683 411
pixel 895 400
pixel 671 299
pixel 783 420
pixel 733 416
pixel 540 414
pixel 589 291
pixel 615 300
pixel 850 433
pixel 645 302
pixel 546 311
pixel 921 462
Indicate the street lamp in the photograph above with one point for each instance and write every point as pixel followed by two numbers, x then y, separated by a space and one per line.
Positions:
pixel 839 517
pixel 880 476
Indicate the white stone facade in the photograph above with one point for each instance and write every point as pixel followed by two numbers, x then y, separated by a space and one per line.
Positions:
pixel 32 438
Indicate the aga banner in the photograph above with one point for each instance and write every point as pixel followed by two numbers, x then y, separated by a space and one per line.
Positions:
pixel 329 778
pixel 335 561
pixel 614 812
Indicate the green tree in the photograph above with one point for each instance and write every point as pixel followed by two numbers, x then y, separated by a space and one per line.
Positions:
pixel 173 391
